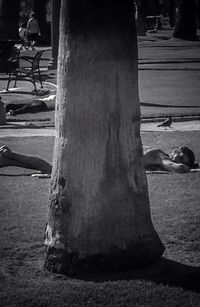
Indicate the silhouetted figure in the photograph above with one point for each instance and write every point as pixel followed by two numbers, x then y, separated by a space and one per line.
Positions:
pixel 33 30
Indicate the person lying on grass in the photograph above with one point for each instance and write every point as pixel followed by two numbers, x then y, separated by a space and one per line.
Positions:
pixel 181 160
pixel 34 106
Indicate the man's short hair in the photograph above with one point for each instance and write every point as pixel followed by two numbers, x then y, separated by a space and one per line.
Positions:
pixel 190 155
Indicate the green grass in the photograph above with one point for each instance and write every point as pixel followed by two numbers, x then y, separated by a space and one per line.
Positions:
pixel 173 281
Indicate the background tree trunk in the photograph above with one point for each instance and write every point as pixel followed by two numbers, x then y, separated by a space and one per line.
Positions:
pixel 99 216
pixel 9 19
pixel 172 12
pixel 198 13
pixel 142 11
pixel 55 12
pixel 186 27
pixel 40 10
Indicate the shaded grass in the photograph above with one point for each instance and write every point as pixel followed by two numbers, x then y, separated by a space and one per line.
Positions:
pixel 173 281
pixel 77 293
pixel 177 210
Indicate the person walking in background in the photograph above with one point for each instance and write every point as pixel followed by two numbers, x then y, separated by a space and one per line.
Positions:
pixel 22 32
pixel 23 37
pixel 33 30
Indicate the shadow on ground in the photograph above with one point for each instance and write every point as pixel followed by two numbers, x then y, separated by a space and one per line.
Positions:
pixel 149 104
pixel 165 271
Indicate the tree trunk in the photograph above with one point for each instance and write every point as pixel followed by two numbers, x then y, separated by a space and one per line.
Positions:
pixel 55 11
pixel 186 27
pixel 99 216
pixel 9 19
pixel 142 11
pixel 198 13
pixel 40 10
pixel 172 12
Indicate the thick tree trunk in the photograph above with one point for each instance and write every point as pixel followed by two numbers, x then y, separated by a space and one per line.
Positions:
pixel 186 27
pixel 9 19
pixel 99 216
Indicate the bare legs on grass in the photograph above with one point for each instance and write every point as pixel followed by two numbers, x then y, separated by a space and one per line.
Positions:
pixel 11 158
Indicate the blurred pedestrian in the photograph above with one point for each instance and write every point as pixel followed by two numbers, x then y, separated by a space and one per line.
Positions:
pixel 23 32
pixel 24 37
pixel 33 30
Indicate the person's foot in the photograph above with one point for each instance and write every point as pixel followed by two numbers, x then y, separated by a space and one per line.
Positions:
pixel 5 155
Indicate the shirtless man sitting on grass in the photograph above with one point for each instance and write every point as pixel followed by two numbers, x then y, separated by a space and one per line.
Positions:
pixel 181 160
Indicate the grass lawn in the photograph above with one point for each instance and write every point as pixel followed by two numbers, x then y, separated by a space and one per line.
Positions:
pixel 174 199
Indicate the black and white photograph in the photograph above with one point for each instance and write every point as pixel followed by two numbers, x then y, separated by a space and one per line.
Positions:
pixel 100 153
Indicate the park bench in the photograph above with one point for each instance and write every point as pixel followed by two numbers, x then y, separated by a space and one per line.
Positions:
pixel 30 72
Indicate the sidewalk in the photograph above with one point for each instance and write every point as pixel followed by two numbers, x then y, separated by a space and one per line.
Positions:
pixel 169 74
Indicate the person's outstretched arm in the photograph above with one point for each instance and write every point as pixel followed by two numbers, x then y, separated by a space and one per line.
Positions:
pixel 10 158
pixel 175 167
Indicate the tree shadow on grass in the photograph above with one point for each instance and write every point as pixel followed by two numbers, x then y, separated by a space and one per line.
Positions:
pixel 165 271
pixel 20 90
pixel 149 104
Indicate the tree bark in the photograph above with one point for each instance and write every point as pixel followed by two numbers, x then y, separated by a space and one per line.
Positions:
pixel 99 216
pixel 186 27
pixel 9 19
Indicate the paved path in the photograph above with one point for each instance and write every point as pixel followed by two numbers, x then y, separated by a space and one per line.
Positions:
pixel 26 132
pixel 145 127
pixel 176 126
pixel 169 74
